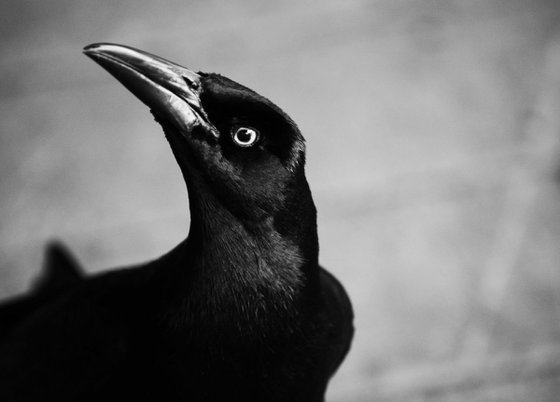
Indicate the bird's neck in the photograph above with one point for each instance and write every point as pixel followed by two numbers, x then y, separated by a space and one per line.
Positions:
pixel 231 275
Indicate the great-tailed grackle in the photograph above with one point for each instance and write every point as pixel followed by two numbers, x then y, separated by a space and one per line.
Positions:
pixel 240 310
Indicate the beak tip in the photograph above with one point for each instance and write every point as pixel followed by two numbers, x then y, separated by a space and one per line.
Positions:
pixel 91 48
pixel 101 47
pixel 93 51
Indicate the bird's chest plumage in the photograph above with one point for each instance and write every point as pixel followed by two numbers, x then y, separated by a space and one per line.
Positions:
pixel 257 342
pixel 268 363
pixel 254 374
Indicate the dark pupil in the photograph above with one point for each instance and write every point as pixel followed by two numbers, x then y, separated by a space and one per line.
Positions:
pixel 244 135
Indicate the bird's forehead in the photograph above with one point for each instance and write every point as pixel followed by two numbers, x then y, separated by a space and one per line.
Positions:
pixel 221 85
pixel 225 91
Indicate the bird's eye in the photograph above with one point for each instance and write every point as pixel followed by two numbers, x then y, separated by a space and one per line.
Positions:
pixel 245 136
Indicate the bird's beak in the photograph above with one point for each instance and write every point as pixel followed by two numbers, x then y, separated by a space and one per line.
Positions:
pixel 170 90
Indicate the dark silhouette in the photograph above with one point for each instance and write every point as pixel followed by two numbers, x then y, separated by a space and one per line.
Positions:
pixel 60 273
pixel 239 311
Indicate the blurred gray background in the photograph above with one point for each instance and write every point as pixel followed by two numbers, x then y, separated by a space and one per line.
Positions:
pixel 433 133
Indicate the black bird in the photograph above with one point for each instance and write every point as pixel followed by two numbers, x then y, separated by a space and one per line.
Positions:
pixel 240 310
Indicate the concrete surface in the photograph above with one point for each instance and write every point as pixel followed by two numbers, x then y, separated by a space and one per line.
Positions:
pixel 432 131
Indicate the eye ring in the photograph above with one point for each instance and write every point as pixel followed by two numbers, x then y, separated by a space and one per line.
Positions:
pixel 245 137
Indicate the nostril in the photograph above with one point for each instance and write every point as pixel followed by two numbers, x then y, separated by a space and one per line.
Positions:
pixel 192 84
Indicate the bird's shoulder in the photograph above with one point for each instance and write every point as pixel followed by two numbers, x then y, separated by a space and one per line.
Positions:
pixel 334 294
pixel 95 310
pixel 338 323
pixel 80 337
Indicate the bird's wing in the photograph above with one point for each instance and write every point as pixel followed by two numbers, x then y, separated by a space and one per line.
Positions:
pixel 60 273
pixel 60 270
pixel 340 315
pixel 71 346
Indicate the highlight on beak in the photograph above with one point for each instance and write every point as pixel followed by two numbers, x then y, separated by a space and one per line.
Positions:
pixel 169 89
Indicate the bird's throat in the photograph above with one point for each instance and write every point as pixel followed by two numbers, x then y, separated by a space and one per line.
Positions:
pixel 232 279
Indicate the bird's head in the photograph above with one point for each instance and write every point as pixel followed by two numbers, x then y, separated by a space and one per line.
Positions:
pixel 241 155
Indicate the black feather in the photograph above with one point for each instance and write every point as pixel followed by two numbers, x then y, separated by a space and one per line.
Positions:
pixel 240 310
pixel 60 272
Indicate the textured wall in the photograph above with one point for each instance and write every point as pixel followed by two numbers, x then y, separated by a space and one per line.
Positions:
pixel 432 131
